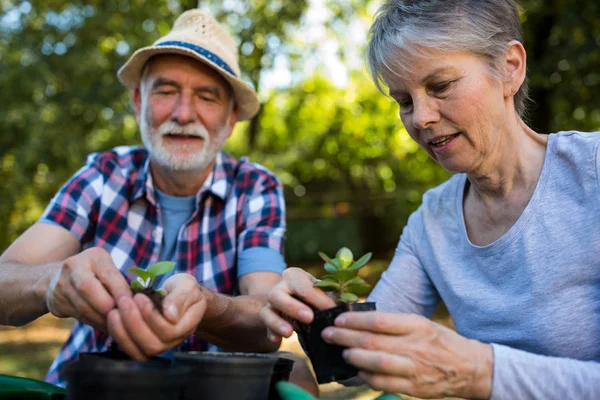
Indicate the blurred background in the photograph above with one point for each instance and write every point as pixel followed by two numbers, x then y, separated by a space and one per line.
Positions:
pixel 351 173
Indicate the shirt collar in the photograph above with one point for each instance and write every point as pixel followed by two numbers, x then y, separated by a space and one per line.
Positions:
pixel 218 182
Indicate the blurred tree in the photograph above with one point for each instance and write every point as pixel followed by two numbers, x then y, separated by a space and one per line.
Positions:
pixel 341 151
pixel 562 38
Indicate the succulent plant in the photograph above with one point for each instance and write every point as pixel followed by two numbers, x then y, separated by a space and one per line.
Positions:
pixel 342 276
pixel 145 280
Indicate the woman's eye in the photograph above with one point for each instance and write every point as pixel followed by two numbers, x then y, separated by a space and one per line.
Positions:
pixel 441 87
pixel 404 103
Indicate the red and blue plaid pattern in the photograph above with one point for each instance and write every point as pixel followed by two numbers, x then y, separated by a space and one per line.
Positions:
pixel 111 203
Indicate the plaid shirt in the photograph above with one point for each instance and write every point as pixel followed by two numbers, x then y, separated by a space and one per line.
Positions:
pixel 111 203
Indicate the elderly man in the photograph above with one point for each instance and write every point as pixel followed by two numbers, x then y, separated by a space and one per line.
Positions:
pixel 178 198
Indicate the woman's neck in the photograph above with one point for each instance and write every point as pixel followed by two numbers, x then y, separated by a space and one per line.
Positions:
pixel 515 168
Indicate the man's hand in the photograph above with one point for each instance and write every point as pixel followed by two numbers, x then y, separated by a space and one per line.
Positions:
pixel 86 287
pixel 405 353
pixel 283 303
pixel 142 331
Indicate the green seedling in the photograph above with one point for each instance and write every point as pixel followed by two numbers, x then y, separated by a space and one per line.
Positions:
pixel 342 276
pixel 145 280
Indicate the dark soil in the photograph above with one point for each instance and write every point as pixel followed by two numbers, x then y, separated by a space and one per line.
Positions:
pixel 154 295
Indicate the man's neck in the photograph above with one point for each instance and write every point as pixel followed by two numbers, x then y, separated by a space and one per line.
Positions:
pixel 179 183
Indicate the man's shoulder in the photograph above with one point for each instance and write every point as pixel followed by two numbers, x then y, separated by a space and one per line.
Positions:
pixel 125 158
pixel 244 173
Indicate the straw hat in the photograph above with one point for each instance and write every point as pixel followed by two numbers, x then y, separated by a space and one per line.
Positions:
pixel 198 35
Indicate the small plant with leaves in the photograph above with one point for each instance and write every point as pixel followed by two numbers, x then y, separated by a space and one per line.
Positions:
pixel 342 276
pixel 145 280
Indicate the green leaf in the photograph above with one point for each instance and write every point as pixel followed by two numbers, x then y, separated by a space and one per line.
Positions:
pixel 357 289
pixel 142 273
pixel 349 298
pixel 360 262
pixel 161 268
pixel 357 280
pixel 335 262
pixel 345 256
pixel 327 284
pixel 329 277
pixel 344 275
pixel 330 268
pixel 136 285
pixel 162 292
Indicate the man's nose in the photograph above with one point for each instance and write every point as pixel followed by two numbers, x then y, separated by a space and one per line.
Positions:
pixel 185 110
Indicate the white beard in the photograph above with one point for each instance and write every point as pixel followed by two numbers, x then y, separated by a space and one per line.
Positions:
pixel 197 161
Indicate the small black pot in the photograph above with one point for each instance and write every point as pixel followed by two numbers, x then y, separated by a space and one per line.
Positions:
pixel 98 376
pixel 226 376
pixel 281 372
pixel 326 359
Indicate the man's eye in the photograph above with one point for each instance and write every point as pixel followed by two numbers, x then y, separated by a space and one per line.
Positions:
pixel 166 92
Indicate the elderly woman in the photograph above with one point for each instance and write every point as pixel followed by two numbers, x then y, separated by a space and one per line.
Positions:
pixel 510 243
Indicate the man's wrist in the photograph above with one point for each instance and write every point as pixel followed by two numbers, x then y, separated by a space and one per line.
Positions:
pixel 481 386
pixel 42 285
pixel 216 308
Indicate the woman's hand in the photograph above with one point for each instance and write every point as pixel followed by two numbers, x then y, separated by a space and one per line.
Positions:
pixel 142 331
pixel 290 299
pixel 405 353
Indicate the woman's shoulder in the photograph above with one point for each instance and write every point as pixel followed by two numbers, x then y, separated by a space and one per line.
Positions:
pixel 575 141
pixel 440 201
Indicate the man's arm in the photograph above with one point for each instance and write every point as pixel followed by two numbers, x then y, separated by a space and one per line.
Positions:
pixel 233 323
pixel 26 269
pixel 42 271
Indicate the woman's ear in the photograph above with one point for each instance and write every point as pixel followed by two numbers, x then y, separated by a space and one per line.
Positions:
pixel 515 65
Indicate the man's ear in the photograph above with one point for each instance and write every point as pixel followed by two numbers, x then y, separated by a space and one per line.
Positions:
pixel 515 65
pixel 137 103
pixel 232 121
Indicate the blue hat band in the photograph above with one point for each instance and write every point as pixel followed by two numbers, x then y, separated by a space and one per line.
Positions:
pixel 202 52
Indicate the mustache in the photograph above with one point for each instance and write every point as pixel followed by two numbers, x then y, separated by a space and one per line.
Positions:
pixel 192 129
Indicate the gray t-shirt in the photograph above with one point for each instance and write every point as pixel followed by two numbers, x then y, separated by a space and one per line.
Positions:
pixel 534 293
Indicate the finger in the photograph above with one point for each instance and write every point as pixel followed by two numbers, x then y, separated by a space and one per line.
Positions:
pixel 117 331
pixel 84 311
pixel 300 284
pixel 112 278
pixel 138 330
pixel 382 322
pixel 165 330
pixel 89 288
pixel 276 325
pixel 274 338
pixel 182 291
pixel 361 339
pixel 387 383
pixel 380 362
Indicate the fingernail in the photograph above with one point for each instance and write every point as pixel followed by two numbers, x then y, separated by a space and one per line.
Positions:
pixel 341 320
pixel 345 354
pixel 282 329
pixel 271 337
pixel 327 334
pixel 304 315
pixel 172 311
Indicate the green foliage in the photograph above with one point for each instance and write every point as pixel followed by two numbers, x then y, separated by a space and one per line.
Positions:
pixel 350 171
pixel 145 278
pixel 343 280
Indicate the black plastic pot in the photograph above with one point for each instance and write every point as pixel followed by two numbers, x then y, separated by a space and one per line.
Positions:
pixel 98 376
pixel 226 376
pixel 326 359
pixel 281 372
